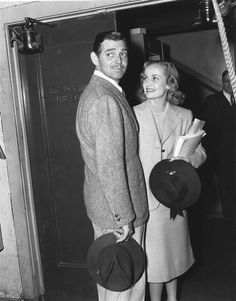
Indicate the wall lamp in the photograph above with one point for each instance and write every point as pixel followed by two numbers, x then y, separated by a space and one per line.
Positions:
pixel 26 37
pixel 206 13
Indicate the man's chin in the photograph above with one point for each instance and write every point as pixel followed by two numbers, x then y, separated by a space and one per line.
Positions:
pixel 118 75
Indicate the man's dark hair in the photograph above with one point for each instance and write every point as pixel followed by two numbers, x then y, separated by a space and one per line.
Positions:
pixel 107 35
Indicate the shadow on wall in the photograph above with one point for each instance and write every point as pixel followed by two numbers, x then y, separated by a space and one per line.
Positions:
pixel 131 81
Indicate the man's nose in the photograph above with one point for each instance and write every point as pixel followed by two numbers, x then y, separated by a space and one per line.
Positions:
pixel 118 58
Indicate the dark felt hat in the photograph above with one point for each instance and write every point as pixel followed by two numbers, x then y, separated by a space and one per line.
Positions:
pixel 175 184
pixel 115 266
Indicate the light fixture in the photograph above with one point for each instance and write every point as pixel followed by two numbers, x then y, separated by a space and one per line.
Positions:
pixel 206 15
pixel 26 37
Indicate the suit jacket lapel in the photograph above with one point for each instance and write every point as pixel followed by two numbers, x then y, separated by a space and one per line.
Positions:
pixel 123 100
pixel 120 96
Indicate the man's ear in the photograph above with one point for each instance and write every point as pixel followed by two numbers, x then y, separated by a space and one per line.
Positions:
pixel 94 58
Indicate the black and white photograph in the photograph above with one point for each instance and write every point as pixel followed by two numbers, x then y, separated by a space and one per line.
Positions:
pixel 118 150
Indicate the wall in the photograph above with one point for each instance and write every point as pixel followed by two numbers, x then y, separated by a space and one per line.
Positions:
pixel 10 281
pixel 10 284
pixel 201 51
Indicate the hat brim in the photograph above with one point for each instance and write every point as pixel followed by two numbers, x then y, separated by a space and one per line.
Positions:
pixel 135 251
pixel 188 175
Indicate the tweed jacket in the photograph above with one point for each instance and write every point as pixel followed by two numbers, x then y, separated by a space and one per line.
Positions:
pixel 114 185
pixel 152 150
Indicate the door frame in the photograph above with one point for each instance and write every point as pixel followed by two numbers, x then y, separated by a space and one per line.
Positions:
pixel 14 125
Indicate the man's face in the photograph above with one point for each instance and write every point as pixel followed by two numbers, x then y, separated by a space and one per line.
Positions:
pixel 112 59
pixel 226 84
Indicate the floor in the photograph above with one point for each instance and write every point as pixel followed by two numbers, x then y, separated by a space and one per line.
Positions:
pixel 213 277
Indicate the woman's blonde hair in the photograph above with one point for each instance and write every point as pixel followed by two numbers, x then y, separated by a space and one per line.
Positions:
pixel 174 95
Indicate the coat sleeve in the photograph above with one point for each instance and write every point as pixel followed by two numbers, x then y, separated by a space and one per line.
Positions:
pixel 211 126
pixel 108 136
pixel 199 156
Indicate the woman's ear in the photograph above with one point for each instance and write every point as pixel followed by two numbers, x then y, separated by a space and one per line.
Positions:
pixel 94 58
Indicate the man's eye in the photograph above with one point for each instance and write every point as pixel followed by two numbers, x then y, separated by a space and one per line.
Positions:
pixel 155 78
pixel 110 54
pixel 124 54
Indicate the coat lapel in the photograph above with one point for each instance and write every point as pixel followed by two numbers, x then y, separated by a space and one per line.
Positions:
pixel 151 126
pixel 171 122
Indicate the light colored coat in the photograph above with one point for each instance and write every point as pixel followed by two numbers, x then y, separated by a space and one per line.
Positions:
pixel 178 120
pixel 114 186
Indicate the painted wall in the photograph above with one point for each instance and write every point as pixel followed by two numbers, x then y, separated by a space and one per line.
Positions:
pixel 200 51
pixel 10 280
pixel 10 284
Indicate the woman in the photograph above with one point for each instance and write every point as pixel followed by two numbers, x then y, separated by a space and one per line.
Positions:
pixel 162 121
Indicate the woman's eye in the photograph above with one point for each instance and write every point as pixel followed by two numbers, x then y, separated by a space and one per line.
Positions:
pixel 155 78
pixel 143 78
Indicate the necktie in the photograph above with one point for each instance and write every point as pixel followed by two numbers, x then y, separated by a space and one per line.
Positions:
pixel 232 100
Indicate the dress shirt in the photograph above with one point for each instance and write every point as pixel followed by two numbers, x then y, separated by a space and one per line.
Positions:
pixel 229 97
pixel 112 81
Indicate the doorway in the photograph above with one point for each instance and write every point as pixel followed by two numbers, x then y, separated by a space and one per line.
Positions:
pixel 52 84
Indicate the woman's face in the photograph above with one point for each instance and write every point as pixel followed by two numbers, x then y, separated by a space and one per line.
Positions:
pixel 154 81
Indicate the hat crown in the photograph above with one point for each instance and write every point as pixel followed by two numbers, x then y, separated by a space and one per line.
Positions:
pixel 114 263
pixel 175 184
pixel 115 266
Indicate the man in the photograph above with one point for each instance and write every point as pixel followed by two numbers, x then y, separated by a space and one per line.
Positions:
pixel 219 114
pixel 114 189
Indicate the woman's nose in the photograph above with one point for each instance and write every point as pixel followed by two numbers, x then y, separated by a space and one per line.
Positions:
pixel 148 82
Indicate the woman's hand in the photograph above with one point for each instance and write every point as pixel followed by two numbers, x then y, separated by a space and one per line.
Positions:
pixel 187 159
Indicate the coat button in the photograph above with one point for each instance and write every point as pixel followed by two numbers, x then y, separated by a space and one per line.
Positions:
pixel 116 215
pixel 118 219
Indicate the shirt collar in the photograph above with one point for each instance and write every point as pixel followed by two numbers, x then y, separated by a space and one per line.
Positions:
pixel 112 81
pixel 227 95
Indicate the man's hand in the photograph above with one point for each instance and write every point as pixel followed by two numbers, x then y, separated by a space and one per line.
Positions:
pixel 124 233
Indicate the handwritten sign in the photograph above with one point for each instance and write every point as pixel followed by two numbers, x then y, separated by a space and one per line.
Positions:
pixel 66 93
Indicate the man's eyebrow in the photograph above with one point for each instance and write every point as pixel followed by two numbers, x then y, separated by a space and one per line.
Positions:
pixel 112 49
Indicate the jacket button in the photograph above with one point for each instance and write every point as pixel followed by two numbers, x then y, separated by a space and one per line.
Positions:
pixel 116 215
pixel 118 219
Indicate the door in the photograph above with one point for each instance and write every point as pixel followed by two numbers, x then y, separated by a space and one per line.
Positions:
pixel 52 82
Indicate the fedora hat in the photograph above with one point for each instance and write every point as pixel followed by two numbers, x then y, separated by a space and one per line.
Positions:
pixel 115 266
pixel 175 184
